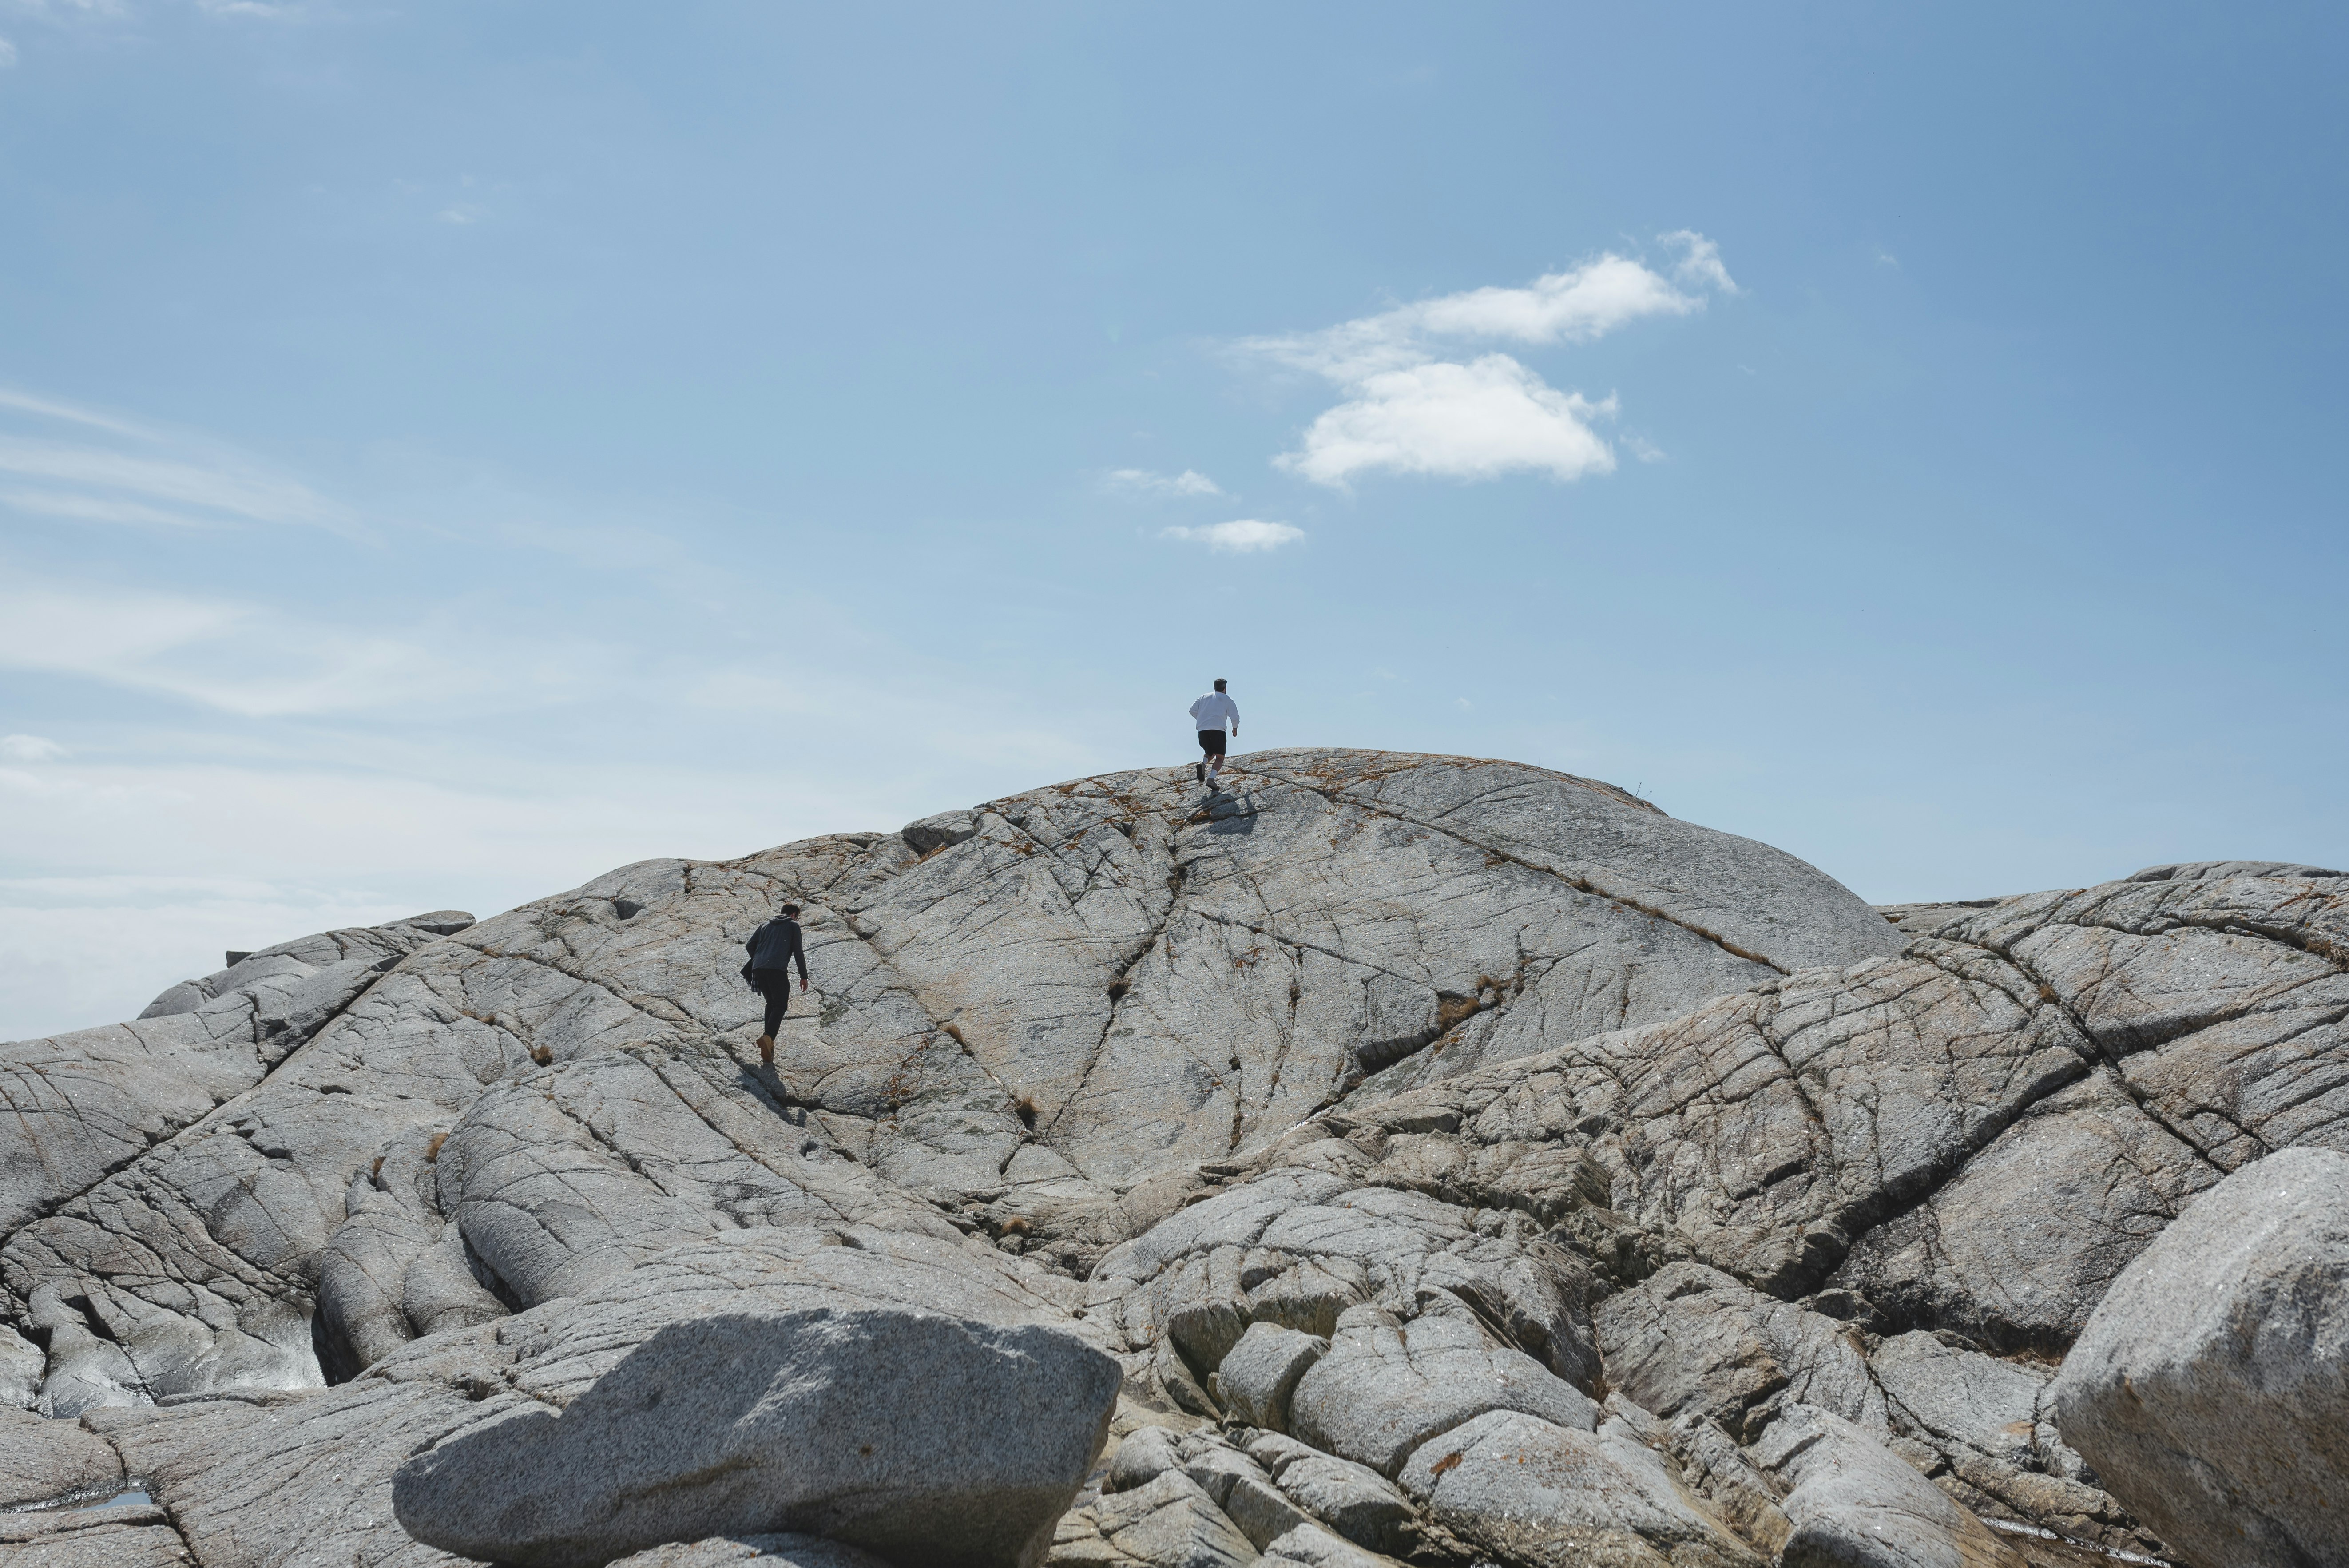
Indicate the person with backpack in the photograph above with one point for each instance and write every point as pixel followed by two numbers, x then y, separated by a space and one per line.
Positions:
pixel 773 948
pixel 1209 714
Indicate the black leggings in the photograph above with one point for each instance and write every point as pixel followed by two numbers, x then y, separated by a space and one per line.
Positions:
pixel 775 985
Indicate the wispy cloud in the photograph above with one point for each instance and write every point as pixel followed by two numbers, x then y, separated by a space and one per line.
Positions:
pixel 1190 482
pixel 1244 536
pixel 7 54
pixel 1700 265
pixel 1414 409
pixel 30 749
pixel 257 661
pixel 100 469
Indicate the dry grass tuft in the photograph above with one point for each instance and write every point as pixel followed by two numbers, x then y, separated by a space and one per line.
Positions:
pixel 432 1149
pixel 1024 1107
pixel 1451 1010
pixel 542 1054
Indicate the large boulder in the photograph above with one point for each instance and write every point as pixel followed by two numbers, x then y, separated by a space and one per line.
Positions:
pixel 2211 1389
pixel 924 1438
pixel 258 1480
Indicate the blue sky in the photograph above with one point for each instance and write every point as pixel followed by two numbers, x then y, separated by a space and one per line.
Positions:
pixel 448 451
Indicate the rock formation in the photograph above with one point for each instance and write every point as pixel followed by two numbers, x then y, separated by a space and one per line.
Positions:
pixel 1385 1159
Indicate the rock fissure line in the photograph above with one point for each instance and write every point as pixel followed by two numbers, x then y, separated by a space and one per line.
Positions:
pixel 1338 795
pixel 2105 1059
pixel 152 1141
pixel 1177 874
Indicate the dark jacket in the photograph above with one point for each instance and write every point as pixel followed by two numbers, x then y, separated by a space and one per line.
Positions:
pixel 776 944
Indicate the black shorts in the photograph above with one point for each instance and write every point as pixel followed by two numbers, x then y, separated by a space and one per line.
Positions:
pixel 1212 743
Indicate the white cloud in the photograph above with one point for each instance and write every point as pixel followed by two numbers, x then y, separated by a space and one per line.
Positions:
pixel 81 508
pixel 261 662
pixel 1190 482
pixel 1643 449
pixel 463 212
pixel 29 749
pixel 1411 409
pixel 7 54
pixel 1241 536
pixel 1699 264
pixel 106 470
pixel 1478 420
pixel 1573 307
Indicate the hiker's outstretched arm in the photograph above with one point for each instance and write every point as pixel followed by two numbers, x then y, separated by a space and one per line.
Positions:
pixel 799 951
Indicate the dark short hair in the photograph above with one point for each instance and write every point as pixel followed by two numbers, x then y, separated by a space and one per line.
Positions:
pixel 790 908
pixel 1219 685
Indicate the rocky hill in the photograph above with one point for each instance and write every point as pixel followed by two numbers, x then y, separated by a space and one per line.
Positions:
pixel 1386 1158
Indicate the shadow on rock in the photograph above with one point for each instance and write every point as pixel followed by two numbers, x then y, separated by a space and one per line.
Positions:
pixel 925 1438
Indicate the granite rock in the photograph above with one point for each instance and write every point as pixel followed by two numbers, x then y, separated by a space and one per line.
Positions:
pixel 1852 1504
pixel 2211 1387
pixel 1546 1496
pixel 1514 1090
pixel 916 1436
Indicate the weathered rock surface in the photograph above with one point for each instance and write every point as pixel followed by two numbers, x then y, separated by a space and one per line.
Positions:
pixel 1534 1492
pixel 782 1550
pixel 125 1537
pixel 1258 1376
pixel 1384 1108
pixel 933 1438
pixel 1386 1388
pixel 2211 1387
pixel 45 1461
pixel 1854 1505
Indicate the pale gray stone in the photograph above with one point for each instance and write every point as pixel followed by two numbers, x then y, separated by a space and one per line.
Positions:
pixel 943 831
pixel 1386 1387
pixel 1992 1423
pixel 929 1439
pixel 1852 1504
pixel 2211 1390
pixel 1308 1542
pixel 775 1551
pixel 1141 1459
pixel 44 1460
pixel 1713 1465
pixel 1169 1523
pixel 260 1480
pixel 22 1365
pixel 1468 1043
pixel 1354 1500
pixel 1545 1496
pixel 1690 1338
pixel 2196 871
pixel 1255 1379
pixel 125 1537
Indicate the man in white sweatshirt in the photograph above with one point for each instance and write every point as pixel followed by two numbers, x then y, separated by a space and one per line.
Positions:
pixel 1210 714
